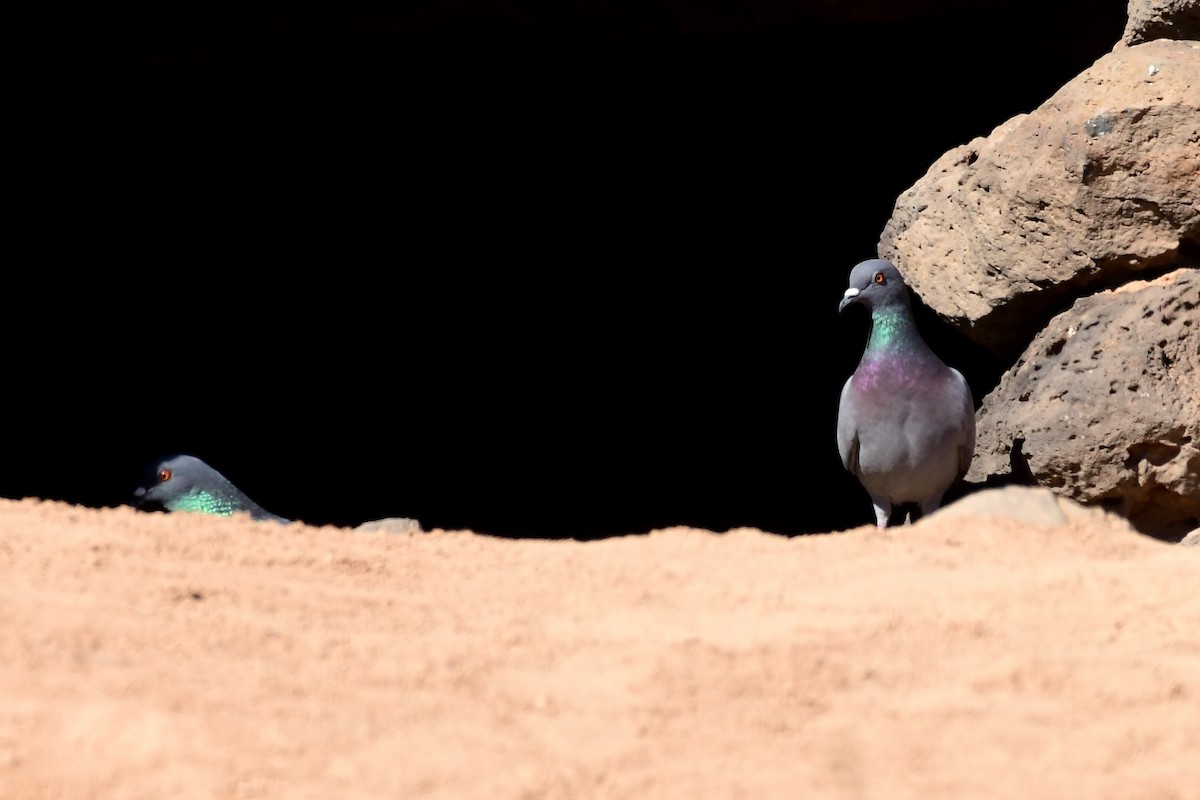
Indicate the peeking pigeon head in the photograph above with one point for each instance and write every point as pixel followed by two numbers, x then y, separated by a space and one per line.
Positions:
pixel 182 482
pixel 875 283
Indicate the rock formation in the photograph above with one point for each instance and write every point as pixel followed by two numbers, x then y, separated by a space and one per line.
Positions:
pixel 1067 242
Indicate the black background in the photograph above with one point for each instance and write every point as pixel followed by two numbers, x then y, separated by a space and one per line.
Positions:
pixel 530 280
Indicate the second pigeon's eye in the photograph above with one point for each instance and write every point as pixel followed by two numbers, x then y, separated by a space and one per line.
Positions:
pixel 880 279
pixel 164 475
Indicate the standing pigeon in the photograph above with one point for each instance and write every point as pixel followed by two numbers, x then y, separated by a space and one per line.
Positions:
pixel 906 420
pixel 185 483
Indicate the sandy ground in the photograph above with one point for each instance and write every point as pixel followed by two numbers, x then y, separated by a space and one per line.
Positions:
pixel 176 656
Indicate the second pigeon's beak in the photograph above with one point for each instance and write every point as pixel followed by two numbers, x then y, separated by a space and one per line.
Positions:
pixel 849 298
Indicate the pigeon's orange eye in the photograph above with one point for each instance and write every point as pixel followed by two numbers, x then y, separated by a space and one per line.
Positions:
pixel 164 475
pixel 880 279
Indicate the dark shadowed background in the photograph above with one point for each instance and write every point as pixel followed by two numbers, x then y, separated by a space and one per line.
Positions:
pixel 524 270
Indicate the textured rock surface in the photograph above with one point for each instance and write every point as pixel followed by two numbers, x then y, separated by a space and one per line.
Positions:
pixel 1103 405
pixel 1094 188
pixel 1027 505
pixel 390 525
pixel 1067 242
pixel 1161 19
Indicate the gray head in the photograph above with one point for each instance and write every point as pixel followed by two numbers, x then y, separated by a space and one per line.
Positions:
pixel 183 482
pixel 875 283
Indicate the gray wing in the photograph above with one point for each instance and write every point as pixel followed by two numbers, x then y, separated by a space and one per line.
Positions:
pixel 966 447
pixel 847 429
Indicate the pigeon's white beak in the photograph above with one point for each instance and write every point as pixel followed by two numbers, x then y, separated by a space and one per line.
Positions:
pixel 849 297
